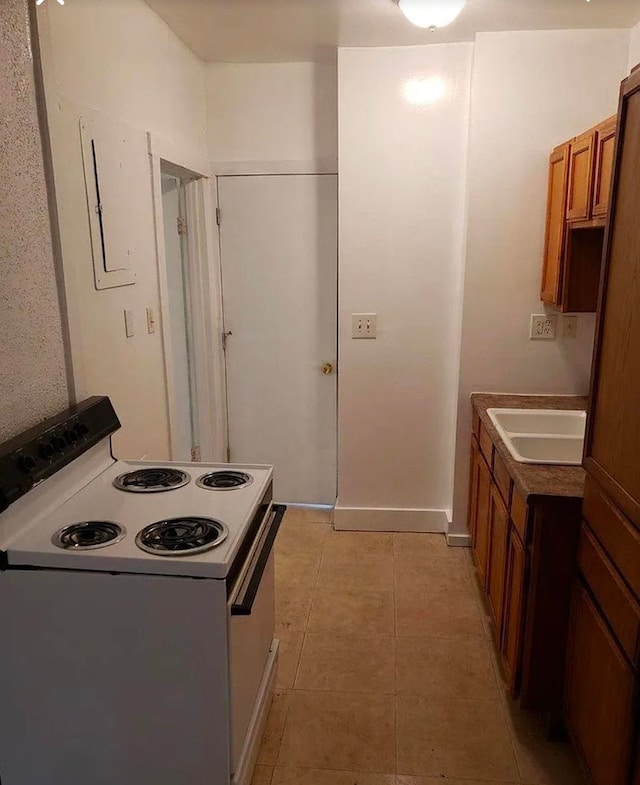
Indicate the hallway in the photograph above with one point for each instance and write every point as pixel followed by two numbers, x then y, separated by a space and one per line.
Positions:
pixel 387 672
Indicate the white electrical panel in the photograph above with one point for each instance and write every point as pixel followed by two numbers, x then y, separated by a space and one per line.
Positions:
pixel 115 166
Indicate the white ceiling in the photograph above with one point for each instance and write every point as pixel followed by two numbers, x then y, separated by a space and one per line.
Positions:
pixel 301 30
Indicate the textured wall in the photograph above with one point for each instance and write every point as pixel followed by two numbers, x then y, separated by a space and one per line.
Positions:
pixel 33 378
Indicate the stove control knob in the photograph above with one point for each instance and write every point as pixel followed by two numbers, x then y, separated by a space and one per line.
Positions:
pixel 58 443
pixel 26 464
pixel 80 430
pixel 45 451
pixel 71 436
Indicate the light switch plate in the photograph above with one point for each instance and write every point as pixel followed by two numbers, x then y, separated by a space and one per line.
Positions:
pixel 569 327
pixel 128 324
pixel 151 321
pixel 364 325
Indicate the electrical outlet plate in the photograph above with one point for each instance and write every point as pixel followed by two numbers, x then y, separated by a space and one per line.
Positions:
pixel 543 327
pixel 364 325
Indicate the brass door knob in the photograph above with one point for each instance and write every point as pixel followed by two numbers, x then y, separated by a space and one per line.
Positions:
pixel 327 369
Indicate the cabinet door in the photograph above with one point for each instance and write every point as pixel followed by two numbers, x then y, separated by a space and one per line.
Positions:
pixel 472 516
pixel 514 609
pixel 481 546
pixel 497 562
pixel 636 777
pixel 605 149
pixel 600 695
pixel 580 191
pixel 556 226
pixel 611 451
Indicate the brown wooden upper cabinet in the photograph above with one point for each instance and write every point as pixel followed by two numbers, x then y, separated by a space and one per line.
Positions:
pixel 556 225
pixel 580 173
pixel 581 166
pixel 605 148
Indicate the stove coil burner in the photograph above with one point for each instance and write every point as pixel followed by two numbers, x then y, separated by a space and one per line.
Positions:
pixel 224 480
pixel 181 536
pixel 154 480
pixel 88 535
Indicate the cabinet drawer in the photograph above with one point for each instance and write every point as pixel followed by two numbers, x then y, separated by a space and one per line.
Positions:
pixel 486 445
pixel 615 600
pixel 519 514
pixel 618 536
pixel 502 478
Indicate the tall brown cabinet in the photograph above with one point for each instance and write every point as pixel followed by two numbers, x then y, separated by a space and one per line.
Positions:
pixel 601 700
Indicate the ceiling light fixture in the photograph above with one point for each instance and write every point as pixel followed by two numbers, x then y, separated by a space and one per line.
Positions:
pixel 431 13
pixel 40 2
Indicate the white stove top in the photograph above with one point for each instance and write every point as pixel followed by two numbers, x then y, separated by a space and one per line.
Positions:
pixel 31 544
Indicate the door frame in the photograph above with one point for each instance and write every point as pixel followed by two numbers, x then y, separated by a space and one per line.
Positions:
pixel 204 291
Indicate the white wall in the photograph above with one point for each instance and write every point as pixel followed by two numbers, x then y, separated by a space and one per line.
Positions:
pixel 531 91
pixel 634 47
pixel 120 60
pixel 402 171
pixel 283 112
pixel 33 382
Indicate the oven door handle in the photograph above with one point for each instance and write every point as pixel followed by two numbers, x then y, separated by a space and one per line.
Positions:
pixel 244 602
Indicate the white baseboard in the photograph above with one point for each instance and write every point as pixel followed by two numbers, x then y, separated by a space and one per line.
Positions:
pixel 459 540
pixel 389 520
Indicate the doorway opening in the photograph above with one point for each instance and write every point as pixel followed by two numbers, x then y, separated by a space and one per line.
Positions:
pixel 191 307
pixel 186 441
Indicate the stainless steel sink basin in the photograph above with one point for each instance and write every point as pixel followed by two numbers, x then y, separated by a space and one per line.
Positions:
pixel 542 435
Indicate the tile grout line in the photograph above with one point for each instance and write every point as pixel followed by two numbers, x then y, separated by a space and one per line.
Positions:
pixel 306 633
pixel 505 714
pixel 292 690
pixel 304 638
pixel 297 669
pixel 395 654
pixel 494 662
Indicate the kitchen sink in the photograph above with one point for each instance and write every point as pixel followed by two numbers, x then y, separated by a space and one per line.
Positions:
pixel 548 436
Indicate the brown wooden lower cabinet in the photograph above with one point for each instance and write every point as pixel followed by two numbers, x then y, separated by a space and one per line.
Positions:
pixel 526 570
pixel 497 558
pixel 481 517
pixel 514 605
pixel 600 695
pixel 473 490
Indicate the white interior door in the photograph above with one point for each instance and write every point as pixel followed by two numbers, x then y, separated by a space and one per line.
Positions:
pixel 278 238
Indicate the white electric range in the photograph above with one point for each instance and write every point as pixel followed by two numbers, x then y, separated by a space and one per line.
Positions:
pixel 136 612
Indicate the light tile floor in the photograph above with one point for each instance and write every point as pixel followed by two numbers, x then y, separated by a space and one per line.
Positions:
pixel 387 672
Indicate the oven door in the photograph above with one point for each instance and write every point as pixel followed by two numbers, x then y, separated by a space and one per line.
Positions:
pixel 251 609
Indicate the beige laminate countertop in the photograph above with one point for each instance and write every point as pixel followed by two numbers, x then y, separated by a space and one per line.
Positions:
pixel 533 480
